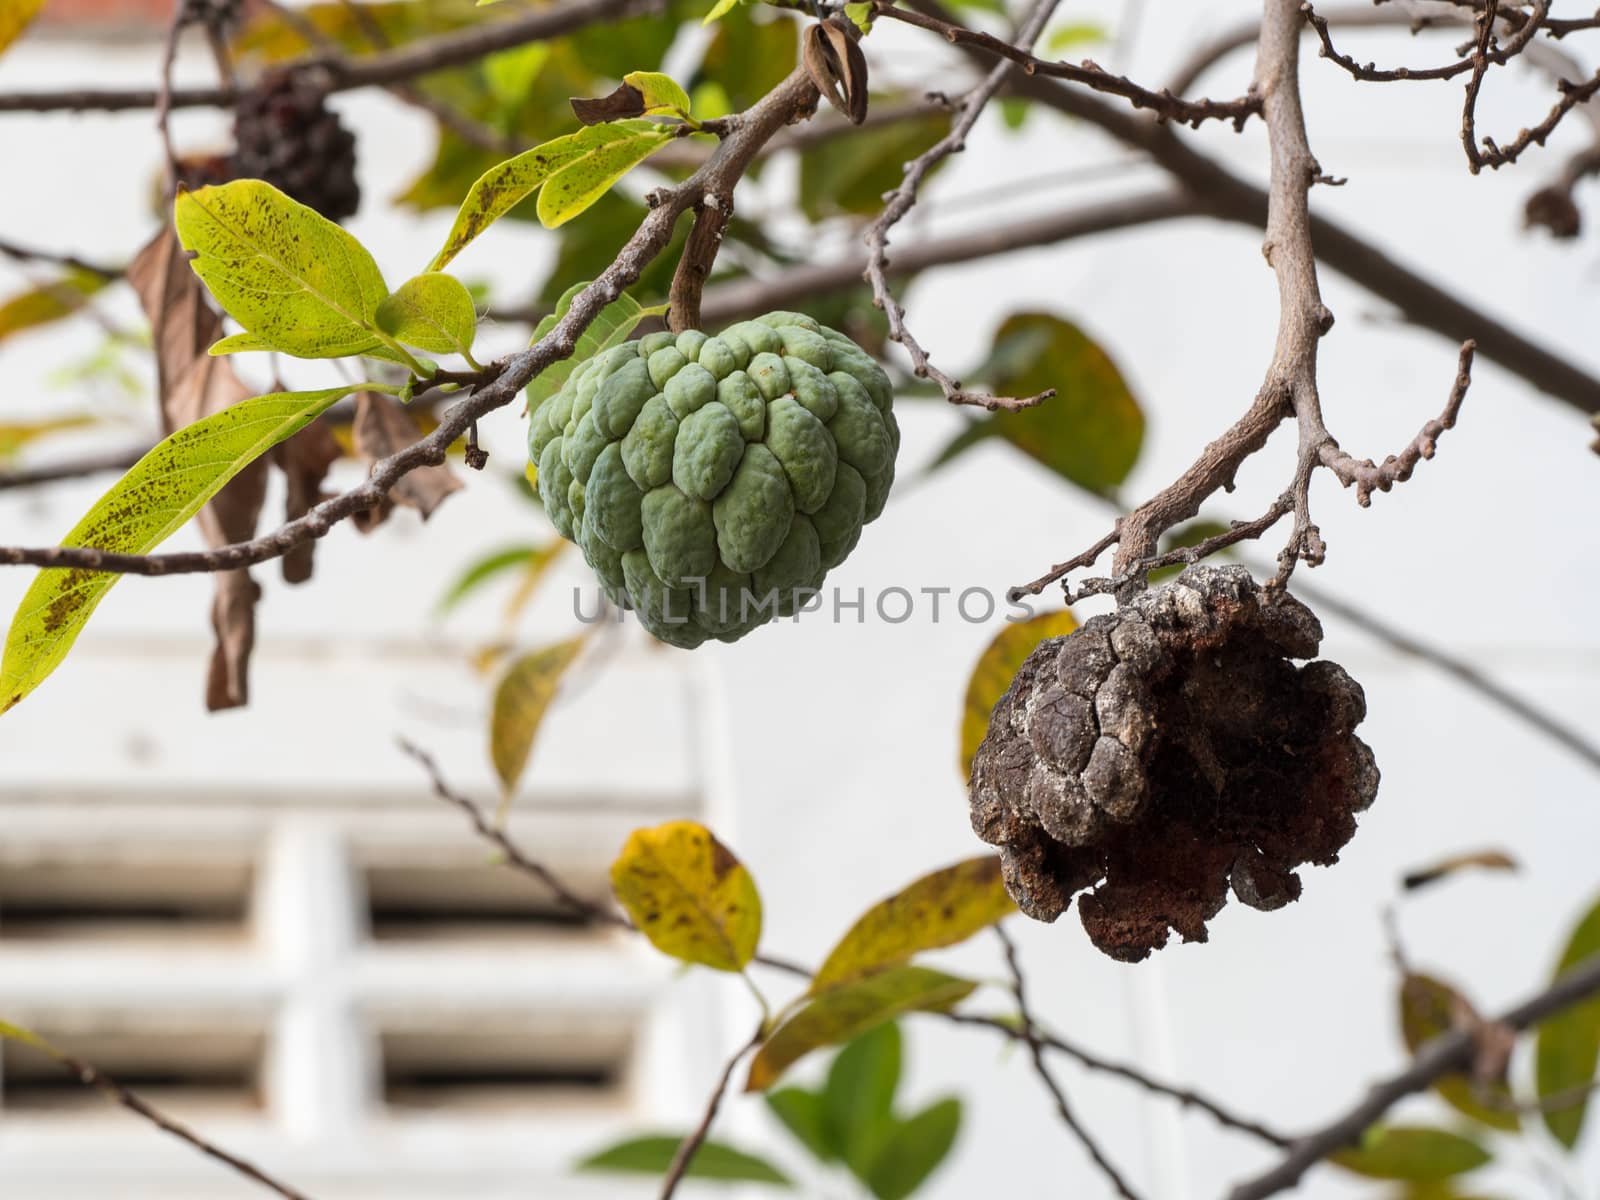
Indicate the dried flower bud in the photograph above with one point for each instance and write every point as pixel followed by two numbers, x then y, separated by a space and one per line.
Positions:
pixel 1164 753
pixel 1552 208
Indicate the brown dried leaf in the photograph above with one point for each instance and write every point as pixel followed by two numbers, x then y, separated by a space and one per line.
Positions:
pixel 838 68
pixel 627 101
pixel 1492 860
pixel 383 427
pixel 194 385
pixel 304 460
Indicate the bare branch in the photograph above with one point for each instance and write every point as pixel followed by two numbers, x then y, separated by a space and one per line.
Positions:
pixel 117 1094
pixel 1164 104
pixel 31 254
pixel 598 914
pixel 1484 55
pixel 1375 268
pixel 1042 1070
pixel 377 70
pixel 1445 1055
pixel 1369 478
pixel 457 122
pixel 712 214
pixel 497 386
pixel 899 202
pixel 690 1146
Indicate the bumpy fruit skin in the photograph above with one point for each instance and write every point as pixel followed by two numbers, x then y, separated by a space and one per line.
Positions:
pixel 712 482
pixel 1161 755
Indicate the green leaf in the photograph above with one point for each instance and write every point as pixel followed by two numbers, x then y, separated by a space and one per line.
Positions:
pixel 711 100
pixel 489 566
pixel 1074 33
pixel 1428 1009
pixel 1568 1047
pixel 660 93
pixel 941 908
pixel 504 186
pixel 689 895
pixel 284 271
pixel 849 175
pixel 1090 432
pixel 719 10
pixel 860 16
pixel 849 1011
pixel 653 1155
pixel 433 312
pixel 1412 1153
pixel 140 511
pixel 608 152
pixel 800 1111
pixel 747 59
pixel 238 343
pixel 611 327
pixel 521 700
pixel 996 667
pixel 1014 112
pixel 510 73
pixel 507 184
pixel 913 1150
pixel 858 1098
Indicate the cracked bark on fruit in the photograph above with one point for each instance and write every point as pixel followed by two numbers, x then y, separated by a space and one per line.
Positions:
pixel 1161 755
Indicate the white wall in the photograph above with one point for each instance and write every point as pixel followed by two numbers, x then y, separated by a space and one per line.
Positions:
pixel 838 741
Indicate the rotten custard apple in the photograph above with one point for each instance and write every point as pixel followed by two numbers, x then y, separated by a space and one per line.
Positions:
pixel 1158 756
pixel 712 482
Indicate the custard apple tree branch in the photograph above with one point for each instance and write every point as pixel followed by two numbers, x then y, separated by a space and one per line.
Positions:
pixel 491 389
pixel 899 202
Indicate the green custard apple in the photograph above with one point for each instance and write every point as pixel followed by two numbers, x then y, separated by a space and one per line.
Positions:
pixel 712 482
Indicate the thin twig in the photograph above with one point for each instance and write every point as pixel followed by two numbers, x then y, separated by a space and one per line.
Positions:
pixel 1447 1054
pixel 1370 73
pixel 1042 1070
pixel 21 253
pixel 599 914
pixel 497 386
pixel 1369 477
pixel 1164 104
pixel 113 1091
pixel 378 70
pixel 899 202
pixel 163 105
pixel 690 1145
pixel 1187 1097
pixel 457 122
pixel 518 859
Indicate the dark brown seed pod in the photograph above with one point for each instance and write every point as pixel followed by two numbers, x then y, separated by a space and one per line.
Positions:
pixel 838 68
pixel 1168 752
pixel 285 133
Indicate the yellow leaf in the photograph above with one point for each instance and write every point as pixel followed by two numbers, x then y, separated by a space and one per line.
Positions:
pixel 992 676
pixel 141 510
pixel 15 16
pixel 14 435
pixel 850 1010
pixel 49 301
pixel 520 703
pixel 689 895
pixel 940 909
pixel 1430 1008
